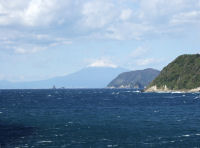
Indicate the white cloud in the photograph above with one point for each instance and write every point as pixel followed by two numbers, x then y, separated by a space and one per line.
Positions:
pixel 56 41
pixel 28 50
pixel 33 12
pixel 25 43
pixel 147 18
pixel 39 12
pixel 126 14
pixel 52 39
pixel 150 9
pixel 64 42
pixel 102 63
pixel 186 17
pixel 127 30
pixel 118 20
pixel 97 14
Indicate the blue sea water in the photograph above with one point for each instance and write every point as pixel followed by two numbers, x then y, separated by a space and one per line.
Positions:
pixel 98 118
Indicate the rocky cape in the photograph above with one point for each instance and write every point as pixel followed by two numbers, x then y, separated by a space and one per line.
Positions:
pixel 181 75
pixel 138 79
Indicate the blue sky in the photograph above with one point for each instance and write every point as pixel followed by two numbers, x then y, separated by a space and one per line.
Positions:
pixel 41 39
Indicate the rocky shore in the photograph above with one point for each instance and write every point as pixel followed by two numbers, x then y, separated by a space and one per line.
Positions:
pixel 165 89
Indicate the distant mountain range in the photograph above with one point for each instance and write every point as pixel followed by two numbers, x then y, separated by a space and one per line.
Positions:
pixel 138 79
pixel 91 77
pixel 182 74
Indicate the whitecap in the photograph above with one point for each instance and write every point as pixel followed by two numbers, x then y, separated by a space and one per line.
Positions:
pixel 172 141
pixel 115 145
pixel 176 92
pixel 45 141
pixel 128 91
pixel 196 97
pixel 147 143
pixel 137 91
pixel 104 139
pixel 186 135
pixel 197 134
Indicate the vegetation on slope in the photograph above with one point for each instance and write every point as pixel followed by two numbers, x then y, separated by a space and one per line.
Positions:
pixel 182 73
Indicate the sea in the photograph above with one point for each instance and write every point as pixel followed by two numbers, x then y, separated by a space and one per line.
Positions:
pixel 98 118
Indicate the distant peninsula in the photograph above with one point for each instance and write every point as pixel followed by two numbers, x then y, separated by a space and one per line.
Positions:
pixel 138 79
pixel 181 75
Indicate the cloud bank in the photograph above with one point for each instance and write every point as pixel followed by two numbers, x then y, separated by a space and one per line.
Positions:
pixel 118 20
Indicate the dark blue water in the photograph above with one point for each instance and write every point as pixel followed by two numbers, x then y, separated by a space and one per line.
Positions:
pixel 98 118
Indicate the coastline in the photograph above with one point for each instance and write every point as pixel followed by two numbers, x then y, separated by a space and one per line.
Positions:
pixel 164 89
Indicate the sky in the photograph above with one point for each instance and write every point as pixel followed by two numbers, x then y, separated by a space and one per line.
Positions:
pixel 41 39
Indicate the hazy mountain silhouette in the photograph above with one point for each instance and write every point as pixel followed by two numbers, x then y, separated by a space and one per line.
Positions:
pixel 90 77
